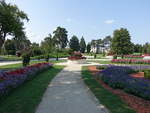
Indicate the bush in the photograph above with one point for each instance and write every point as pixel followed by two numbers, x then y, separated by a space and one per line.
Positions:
pixel 131 61
pixel 101 67
pixel 147 74
pixel 13 79
pixel 95 56
pixel 115 57
pixel 118 77
pixel 47 58
pixel 26 59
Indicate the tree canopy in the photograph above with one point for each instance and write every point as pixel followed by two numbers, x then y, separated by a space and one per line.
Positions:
pixel 47 45
pixel 60 37
pixel 74 43
pixel 88 48
pixel 82 45
pixel 121 42
pixel 9 47
pixel 11 21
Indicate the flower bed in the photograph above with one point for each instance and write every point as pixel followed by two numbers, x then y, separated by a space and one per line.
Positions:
pixel 119 77
pixel 13 79
pixel 76 56
pixel 131 61
pixel 133 56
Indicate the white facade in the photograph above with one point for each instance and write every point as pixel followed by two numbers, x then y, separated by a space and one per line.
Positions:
pixel 99 48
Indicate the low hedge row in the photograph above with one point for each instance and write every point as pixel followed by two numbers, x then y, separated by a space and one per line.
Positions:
pixel 60 55
pixel 13 79
pixel 131 61
pixel 119 77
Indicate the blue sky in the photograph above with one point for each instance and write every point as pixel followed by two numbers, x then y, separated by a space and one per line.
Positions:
pixel 92 19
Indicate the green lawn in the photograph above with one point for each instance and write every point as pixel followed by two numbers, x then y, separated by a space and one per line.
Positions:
pixel 26 98
pixel 15 66
pixel 9 57
pixel 111 101
pixel 101 62
pixel 109 62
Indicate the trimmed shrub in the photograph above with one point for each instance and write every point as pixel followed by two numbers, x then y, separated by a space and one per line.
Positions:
pixel 147 74
pixel 26 59
pixel 13 79
pixel 118 77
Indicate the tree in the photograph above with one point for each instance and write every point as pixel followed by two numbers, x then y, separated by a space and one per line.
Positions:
pixel 74 43
pixel 47 45
pixel 94 43
pixel 35 49
pixel 138 48
pixel 107 40
pixel 145 46
pixel 148 49
pixel 60 37
pixel 82 45
pixel 21 42
pixel 11 21
pixel 88 48
pixel 9 47
pixel 121 42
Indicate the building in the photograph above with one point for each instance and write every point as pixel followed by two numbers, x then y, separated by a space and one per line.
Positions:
pixel 101 46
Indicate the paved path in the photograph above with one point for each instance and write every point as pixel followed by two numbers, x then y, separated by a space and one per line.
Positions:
pixel 2 63
pixel 68 94
pixel 9 62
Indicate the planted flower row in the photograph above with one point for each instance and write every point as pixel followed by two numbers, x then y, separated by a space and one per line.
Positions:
pixel 131 61
pixel 133 56
pixel 13 79
pixel 119 77
pixel 76 58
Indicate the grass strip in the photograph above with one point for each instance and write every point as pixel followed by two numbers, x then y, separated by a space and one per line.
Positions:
pixel 105 97
pixel 19 65
pixel 26 98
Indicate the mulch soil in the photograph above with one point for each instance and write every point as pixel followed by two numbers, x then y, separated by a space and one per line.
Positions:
pixel 138 104
pixel 138 75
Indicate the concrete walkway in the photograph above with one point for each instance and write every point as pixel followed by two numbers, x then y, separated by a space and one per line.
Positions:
pixel 68 94
pixel 9 62
pixel 2 63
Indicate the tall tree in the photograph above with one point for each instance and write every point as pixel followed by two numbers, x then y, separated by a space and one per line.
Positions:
pixel 47 45
pixel 9 47
pixel 121 42
pixel 88 48
pixel 21 42
pixel 145 46
pixel 11 21
pixel 148 49
pixel 107 40
pixel 60 37
pixel 74 43
pixel 138 48
pixel 36 50
pixel 82 45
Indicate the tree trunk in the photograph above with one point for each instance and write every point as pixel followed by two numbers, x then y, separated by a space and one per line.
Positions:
pixel 2 40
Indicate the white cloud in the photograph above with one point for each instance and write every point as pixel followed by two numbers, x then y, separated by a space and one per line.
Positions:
pixel 109 21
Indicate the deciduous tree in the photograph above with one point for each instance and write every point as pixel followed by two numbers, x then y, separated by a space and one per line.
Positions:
pixel 9 47
pixel 11 21
pixel 121 42
pixel 48 44
pixel 60 37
